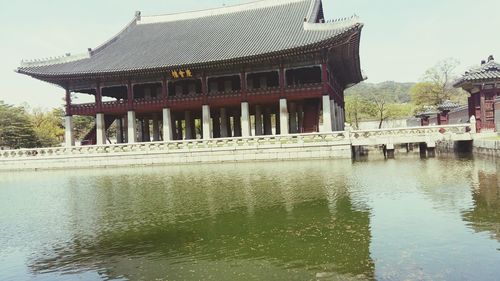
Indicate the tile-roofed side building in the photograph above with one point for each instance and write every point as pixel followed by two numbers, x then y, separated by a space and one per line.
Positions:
pixel 489 70
pixel 483 85
pixel 196 38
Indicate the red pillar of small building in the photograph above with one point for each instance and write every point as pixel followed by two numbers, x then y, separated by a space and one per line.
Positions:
pixel 443 118
pixel 424 121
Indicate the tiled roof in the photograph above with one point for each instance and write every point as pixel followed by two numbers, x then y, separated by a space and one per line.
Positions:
pixel 488 71
pixel 447 105
pixel 194 38
pixel 428 111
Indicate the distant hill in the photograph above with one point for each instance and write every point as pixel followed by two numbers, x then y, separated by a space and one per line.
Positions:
pixel 400 91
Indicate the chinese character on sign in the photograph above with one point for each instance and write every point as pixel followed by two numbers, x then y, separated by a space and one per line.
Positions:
pixel 181 73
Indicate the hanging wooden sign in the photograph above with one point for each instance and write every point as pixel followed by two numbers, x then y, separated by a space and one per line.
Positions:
pixel 182 73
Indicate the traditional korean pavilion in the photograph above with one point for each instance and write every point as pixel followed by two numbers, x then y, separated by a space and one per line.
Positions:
pixel 262 68
pixel 483 84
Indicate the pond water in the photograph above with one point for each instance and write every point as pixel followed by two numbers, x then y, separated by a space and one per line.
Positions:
pixel 409 218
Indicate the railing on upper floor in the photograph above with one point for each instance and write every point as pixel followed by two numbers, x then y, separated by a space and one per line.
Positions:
pixel 263 91
pixel 224 94
pixel 122 105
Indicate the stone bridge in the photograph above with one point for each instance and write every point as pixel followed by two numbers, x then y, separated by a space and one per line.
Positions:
pixel 257 148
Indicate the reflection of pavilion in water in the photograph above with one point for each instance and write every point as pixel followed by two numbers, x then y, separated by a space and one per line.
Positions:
pixel 288 224
pixel 485 216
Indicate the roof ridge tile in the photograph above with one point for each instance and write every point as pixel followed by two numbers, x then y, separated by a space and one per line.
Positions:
pixel 216 11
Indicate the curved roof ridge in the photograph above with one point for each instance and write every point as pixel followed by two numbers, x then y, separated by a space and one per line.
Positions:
pixel 216 11
pixel 313 11
pixel 333 24
pixel 55 60
pixel 118 35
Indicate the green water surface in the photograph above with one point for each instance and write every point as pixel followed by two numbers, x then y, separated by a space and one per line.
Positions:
pixel 403 219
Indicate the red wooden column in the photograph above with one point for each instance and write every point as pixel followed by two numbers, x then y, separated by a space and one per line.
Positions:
pixel 164 91
pixel 282 81
pixel 243 80
pixel 130 96
pixel 68 102
pixel 98 98
pixel 204 88
pixel 324 77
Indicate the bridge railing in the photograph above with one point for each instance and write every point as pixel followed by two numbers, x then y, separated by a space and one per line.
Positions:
pixel 412 134
pixel 198 145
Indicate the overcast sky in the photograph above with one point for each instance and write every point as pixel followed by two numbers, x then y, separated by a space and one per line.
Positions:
pixel 400 40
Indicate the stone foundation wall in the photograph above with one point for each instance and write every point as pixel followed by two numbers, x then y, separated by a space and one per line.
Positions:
pixel 209 155
pixel 486 147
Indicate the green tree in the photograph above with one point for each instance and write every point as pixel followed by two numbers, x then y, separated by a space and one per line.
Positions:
pixel 82 125
pixel 380 102
pixel 48 126
pixel 437 85
pixel 358 109
pixel 16 130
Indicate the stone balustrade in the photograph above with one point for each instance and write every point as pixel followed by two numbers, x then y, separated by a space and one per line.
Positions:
pixel 458 132
pixel 355 138
pixel 273 141
pixel 258 148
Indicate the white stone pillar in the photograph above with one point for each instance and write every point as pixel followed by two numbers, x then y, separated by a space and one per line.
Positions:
pixel 156 128
pixel 100 129
pixel 333 116
pixel 283 117
pixel 327 115
pixel 258 120
pixel 167 125
pixel 187 125
pixel 223 123
pixel 131 127
pixel 69 136
pixel 207 124
pixel 245 119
